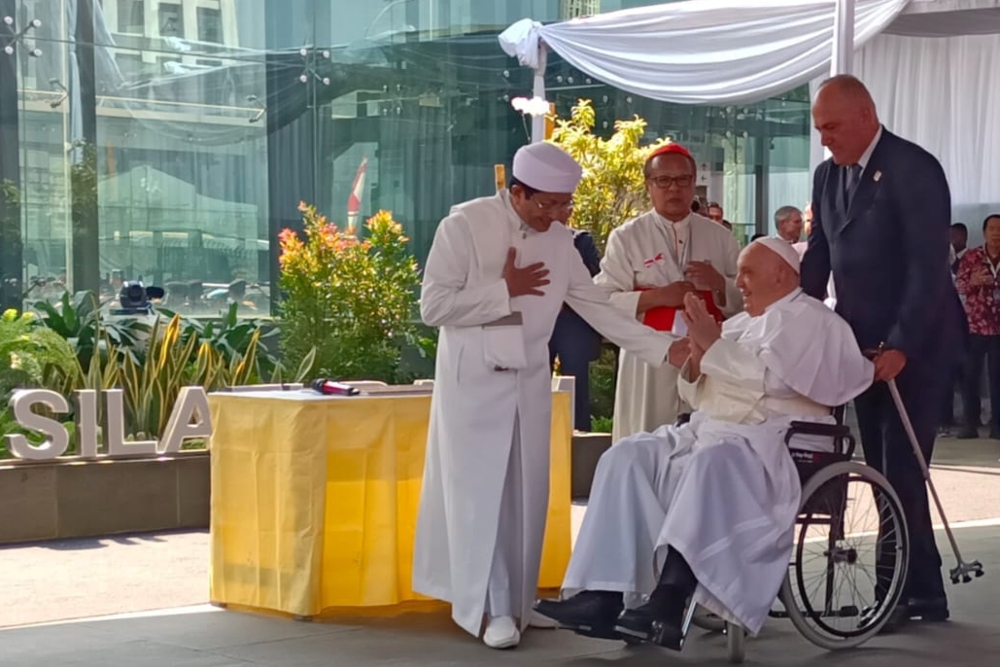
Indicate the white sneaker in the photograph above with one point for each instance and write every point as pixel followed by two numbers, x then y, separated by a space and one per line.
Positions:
pixel 501 632
pixel 542 622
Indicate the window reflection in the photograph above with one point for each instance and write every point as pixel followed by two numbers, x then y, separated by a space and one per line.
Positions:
pixel 209 120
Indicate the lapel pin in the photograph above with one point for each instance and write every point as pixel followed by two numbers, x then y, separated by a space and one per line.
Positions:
pixel 877 176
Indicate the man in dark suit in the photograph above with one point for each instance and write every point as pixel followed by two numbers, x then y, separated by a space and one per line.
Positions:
pixel 574 341
pixel 882 213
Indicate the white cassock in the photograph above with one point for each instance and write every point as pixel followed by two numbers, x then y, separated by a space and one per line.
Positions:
pixel 485 490
pixel 723 490
pixel 651 251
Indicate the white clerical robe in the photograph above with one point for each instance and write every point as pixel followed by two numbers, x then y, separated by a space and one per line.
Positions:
pixel 651 251
pixel 722 490
pixel 487 463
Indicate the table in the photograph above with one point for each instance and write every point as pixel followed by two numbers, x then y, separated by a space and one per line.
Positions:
pixel 314 499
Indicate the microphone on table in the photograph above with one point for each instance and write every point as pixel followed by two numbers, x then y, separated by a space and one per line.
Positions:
pixel 331 388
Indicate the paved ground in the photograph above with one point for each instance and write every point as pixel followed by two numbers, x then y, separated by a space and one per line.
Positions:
pixel 93 578
pixel 207 637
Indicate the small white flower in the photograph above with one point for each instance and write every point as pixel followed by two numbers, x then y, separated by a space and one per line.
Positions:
pixel 536 106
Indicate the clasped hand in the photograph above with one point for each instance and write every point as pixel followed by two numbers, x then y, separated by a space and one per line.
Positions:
pixel 703 331
pixel 702 273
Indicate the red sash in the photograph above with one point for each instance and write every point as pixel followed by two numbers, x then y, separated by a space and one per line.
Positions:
pixel 661 318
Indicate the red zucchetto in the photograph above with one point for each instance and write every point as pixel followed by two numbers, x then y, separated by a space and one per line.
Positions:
pixel 669 148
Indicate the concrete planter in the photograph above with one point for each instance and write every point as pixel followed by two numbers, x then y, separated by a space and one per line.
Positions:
pixel 76 498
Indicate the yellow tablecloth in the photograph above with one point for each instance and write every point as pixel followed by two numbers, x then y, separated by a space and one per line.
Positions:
pixel 314 499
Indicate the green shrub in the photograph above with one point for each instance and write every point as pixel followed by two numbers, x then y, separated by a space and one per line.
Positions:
pixel 354 300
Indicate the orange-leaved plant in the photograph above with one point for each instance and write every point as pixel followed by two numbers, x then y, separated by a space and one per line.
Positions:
pixel 353 299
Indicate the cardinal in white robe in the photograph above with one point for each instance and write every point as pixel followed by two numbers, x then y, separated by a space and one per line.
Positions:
pixel 707 509
pixel 499 270
pixel 650 263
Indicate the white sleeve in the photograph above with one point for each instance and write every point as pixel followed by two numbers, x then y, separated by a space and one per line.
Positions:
pixel 689 391
pixel 594 305
pixel 445 297
pixel 616 275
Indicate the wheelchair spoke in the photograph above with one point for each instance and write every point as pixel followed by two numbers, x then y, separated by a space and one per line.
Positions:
pixel 853 520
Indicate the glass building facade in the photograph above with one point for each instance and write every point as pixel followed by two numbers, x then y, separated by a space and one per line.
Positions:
pixel 171 140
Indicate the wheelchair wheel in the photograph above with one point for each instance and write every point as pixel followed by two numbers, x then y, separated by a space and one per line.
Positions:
pixel 834 593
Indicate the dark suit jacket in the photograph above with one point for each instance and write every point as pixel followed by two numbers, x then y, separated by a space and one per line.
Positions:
pixel 571 332
pixel 888 252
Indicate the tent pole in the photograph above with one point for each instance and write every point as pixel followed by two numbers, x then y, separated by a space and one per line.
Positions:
pixel 538 122
pixel 842 59
pixel 841 62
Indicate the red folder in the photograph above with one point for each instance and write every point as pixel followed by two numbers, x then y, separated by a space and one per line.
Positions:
pixel 662 317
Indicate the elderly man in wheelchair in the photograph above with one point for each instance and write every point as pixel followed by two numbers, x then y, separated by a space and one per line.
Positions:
pixel 704 512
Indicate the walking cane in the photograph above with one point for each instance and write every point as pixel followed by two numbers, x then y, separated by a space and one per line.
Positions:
pixel 964 570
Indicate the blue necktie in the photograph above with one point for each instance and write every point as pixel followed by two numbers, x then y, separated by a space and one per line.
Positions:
pixel 853 179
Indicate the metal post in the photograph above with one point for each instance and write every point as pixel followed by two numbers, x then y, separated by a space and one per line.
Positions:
pixel 841 62
pixel 538 122
pixel 84 270
pixel 842 59
pixel 11 242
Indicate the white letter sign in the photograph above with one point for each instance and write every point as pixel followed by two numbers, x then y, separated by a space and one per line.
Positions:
pixel 114 428
pixel 57 439
pixel 86 422
pixel 191 402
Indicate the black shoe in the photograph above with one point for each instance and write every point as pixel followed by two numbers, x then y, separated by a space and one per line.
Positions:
pixel 647 624
pixel 968 433
pixel 589 613
pixel 930 610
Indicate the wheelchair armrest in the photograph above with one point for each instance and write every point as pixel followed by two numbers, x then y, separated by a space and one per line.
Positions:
pixel 839 432
pixel 812 428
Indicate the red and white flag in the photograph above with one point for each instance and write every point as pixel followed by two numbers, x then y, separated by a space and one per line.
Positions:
pixel 354 201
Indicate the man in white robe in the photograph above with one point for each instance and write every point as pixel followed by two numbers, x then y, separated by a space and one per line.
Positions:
pixel 708 509
pixel 649 264
pixel 497 275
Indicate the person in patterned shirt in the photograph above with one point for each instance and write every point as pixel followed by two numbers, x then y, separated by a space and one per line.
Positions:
pixel 978 284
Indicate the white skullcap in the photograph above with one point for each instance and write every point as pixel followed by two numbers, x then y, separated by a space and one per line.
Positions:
pixel 546 168
pixel 782 248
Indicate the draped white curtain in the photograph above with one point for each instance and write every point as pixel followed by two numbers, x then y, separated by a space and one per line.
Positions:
pixel 932 66
pixel 702 51
pixel 944 94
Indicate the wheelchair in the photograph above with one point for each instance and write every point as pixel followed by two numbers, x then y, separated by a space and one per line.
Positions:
pixel 834 593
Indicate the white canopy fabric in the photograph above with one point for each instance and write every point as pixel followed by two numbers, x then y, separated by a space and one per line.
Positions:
pixel 931 66
pixel 701 51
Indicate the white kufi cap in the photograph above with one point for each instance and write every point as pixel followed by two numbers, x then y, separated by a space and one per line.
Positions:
pixel 782 248
pixel 547 168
